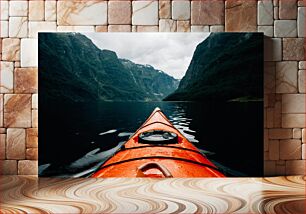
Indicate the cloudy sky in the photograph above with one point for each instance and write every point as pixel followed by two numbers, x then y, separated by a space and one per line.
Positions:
pixel 169 52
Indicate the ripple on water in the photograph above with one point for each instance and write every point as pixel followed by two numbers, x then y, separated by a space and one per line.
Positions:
pixel 108 132
pixel 125 134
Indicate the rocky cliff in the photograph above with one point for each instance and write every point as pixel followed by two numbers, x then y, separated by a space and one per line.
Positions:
pixel 225 66
pixel 72 68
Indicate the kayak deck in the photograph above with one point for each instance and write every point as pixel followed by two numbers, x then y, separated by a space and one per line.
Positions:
pixel 180 159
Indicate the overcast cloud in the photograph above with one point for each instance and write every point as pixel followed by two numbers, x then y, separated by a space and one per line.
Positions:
pixel 169 52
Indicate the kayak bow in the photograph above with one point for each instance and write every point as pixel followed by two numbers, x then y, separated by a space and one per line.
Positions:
pixel 158 149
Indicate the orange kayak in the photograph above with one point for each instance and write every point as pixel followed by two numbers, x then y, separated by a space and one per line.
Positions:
pixel 157 149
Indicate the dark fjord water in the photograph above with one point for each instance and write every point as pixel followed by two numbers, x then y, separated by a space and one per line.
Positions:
pixel 74 139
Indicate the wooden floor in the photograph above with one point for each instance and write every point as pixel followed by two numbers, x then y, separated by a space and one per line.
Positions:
pixel 140 195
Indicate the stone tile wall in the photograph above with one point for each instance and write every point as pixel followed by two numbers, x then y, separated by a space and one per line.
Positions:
pixel 282 21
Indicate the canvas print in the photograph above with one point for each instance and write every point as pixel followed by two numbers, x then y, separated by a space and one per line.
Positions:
pixel 151 105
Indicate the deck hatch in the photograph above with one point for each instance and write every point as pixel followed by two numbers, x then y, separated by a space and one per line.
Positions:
pixel 158 137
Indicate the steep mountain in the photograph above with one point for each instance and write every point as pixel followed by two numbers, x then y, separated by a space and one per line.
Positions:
pixel 224 67
pixel 151 81
pixel 72 68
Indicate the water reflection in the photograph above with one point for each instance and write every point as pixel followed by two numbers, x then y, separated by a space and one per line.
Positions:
pixel 181 122
pixel 88 134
